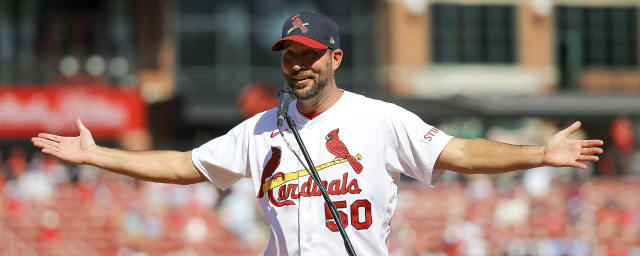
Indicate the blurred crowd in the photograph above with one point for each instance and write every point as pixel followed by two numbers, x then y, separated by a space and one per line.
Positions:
pixel 588 217
pixel 51 208
pixel 48 206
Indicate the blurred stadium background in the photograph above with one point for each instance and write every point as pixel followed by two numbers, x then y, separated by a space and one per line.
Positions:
pixel 174 74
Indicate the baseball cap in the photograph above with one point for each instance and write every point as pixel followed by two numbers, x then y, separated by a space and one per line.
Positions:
pixel 310 28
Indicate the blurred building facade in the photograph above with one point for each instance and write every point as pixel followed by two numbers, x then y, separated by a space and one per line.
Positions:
pixel 557 59
pixel 436 49
pixel 203 53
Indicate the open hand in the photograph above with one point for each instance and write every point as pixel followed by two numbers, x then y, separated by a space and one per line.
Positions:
pixel 561 151
pixel 72 149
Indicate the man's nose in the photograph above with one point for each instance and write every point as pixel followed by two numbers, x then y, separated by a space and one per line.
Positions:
pixel 297 67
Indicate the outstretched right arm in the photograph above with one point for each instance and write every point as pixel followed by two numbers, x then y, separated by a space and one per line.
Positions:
pixel 157 166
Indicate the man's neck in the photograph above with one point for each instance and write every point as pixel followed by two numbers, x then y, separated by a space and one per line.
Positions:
pixel 323 101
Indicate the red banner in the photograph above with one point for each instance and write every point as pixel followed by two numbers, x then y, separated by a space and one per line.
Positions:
pixel 106 111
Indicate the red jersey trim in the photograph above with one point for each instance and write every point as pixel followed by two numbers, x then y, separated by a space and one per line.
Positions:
pixel 311 115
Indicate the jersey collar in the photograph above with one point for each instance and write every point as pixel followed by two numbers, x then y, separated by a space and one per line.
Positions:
pixel 305 120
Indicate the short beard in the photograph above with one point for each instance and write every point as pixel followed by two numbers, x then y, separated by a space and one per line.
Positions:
pixel 319 83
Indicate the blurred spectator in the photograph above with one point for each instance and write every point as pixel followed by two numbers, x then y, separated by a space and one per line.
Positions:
pixel 239 209
pixel 480 187
pixel 512 212
pixel 468 238
pixel 257 97
pixel 36 186
pixel 620 156
pixel 17 162
pixel 195 231
pixel 623 135
pixel 537 181
pixel 50 226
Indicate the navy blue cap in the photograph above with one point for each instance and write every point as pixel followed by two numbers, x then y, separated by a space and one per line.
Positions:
pixel 310 28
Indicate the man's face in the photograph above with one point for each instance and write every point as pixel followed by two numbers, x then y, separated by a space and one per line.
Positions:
pixel 306 70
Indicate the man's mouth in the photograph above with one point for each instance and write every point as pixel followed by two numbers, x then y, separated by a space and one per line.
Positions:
pixel 301 80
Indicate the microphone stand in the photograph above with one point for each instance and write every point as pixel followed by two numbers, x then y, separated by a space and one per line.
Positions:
pixel 316 178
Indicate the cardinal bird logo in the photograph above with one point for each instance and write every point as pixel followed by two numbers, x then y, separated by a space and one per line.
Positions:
pixel 338 149
pixel 270 167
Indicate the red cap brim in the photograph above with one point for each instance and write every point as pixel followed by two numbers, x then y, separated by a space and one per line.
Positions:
pixel 300 39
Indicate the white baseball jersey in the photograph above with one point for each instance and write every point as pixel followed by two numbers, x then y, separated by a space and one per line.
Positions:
pixel 359 146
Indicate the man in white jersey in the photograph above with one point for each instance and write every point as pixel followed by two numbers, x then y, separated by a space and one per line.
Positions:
pixel 360 146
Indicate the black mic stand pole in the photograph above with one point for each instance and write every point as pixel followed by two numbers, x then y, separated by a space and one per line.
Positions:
pixel 323 190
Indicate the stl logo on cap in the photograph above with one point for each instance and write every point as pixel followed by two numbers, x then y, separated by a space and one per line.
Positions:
pixel 297 23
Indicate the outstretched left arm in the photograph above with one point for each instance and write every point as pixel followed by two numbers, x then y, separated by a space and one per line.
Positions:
pixel 473 156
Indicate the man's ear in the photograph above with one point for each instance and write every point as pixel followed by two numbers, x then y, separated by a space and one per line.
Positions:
pixel 336 56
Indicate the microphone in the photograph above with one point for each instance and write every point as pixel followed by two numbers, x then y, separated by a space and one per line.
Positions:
pixel 284 98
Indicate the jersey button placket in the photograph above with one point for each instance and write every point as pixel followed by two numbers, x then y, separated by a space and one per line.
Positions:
pixel 307 228
pixel 301 214
pixel 307 219
pixel 311 211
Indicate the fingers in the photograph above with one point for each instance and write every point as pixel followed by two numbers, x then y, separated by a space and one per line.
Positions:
pixel 48 146
pixel 80 125
pixel 591 143
pixel 49 151
pixel 591 151
pixel 571 129
pixel 588 158
pixel 587 154
pixel 44 143
pixel 52 137
pixel 53 152
pixel 579 165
